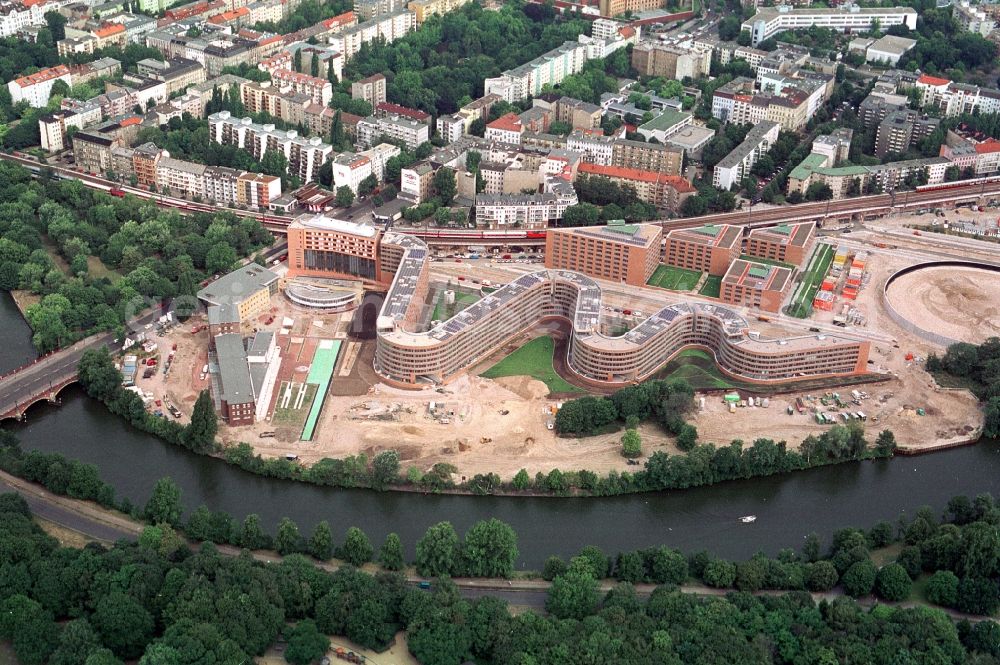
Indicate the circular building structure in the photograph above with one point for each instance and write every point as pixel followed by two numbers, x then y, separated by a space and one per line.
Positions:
pixel 326 295
pixel 945 302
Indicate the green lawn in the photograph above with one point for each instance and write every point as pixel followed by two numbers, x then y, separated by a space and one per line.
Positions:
pixel 675 279
pixel 698 368
pixel 534 359
pixel 801 306
pixel 712 286
pixel 462 300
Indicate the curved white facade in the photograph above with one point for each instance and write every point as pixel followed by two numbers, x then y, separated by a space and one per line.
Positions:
pixel 444 351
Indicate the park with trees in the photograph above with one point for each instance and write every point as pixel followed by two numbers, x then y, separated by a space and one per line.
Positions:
pixel 162 600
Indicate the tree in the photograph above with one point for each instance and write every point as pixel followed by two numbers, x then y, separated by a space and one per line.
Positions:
pixel 367 185
pixel 631 444
pixel 822 576
pixel 321 541
pixel 306 644
pixel 991 418
pixel 977 595
pixel 199 435
pixel 252 536
pixel 437 551
pixel 490 549
pixel 554 567
pixel 288 540
pixel 892 583
pixel 581 214
pixel 720 573
pixel 859 579
pixel 688 437
pixel 164 505
pixel 572 596
pixel 357 548
pixel 521 480
pixel 391 553
pixel 123 623
pixel 30 628
pixel 337 126
pixel 385 469
pixel 444 185
pixel 345 196
pixel 942 588
pixel 220 258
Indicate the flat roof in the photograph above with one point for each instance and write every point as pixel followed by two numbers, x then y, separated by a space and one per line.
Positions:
pixel 323 223
pixel 637 235
pixel 234 371
pixel 716 235
pixel 795 235
pixel 757 276
pixel 666 120
pixel 238 285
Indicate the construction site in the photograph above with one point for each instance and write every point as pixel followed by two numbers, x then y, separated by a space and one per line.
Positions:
pixel 328 400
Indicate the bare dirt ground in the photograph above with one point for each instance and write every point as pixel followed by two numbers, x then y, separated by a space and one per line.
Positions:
pixel 397 654
pixel 961 303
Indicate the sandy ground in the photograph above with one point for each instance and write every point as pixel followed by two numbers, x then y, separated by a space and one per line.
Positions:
pixel 397 654
pixel 961 303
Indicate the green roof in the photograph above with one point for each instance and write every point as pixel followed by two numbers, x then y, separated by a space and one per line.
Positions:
pixel 665 120
pixel 814 163
pixel 708 230
pixel 619 226
pixel 783 229
pixel 759 271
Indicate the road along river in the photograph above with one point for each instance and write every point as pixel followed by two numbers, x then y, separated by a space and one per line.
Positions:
pixel 787 507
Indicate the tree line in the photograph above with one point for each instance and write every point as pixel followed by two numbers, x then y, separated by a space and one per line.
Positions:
pixel 161 603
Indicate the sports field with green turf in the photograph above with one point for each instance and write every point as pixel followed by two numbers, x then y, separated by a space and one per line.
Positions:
pixel 675 279
pixel 534 359
pixel 711 287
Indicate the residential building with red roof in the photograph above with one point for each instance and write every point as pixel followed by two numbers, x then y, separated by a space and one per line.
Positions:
pixel 667 192
pixel 385 109
pixel 37 88
pixel 506 129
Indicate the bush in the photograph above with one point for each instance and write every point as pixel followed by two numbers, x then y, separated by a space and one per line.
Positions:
pixel 859 579
pixel 892 583
pixel 942 588
pixel 719 573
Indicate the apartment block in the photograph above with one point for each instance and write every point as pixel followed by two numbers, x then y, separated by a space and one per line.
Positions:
pixel 411 132
pixel 711 248
pixel 179 178
pixel 389 27
pixel 36 88
pixel 53 126
pixel 505 129
pixel 953 99
pixel 611 8
pixel 305 155
pixel 788 243
pixel 618 252
pixel 415 182
pixel 972 18
pixel 666 192
pixel 369 9
pixel 450 127
pixel 658 157
pixel 758 285
pixel 525 211
pixel 769 21
pixel 176 73
pixel 736 166
pixel 672 61
pixel 388 109
pixel 247 289
pixel 319 90
pixel 424 9
pixel 901 130
pixel 371 89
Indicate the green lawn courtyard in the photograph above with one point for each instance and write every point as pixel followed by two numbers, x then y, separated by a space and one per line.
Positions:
pixel 675 279
pixel 819 264
pixel 712 287
pixel 443 311
pixel 534 359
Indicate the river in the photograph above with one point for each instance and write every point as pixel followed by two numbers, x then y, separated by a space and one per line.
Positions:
pixel 787 507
